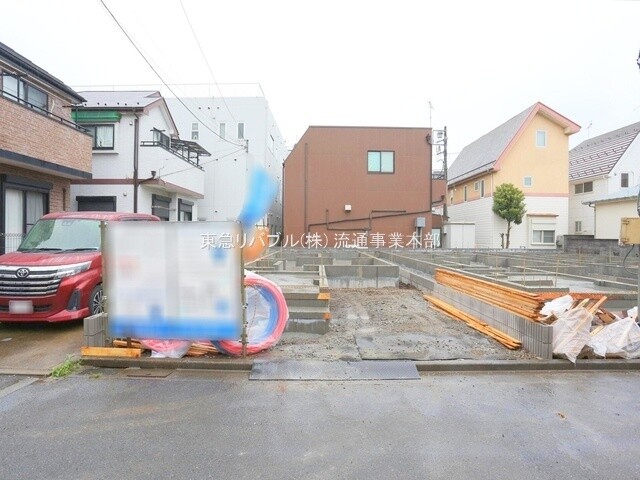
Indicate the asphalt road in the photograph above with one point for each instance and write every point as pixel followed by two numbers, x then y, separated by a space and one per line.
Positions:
pixel 195 425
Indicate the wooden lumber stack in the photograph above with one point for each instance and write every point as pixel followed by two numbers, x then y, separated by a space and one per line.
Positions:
pixel 473 322
pixel 521 303
pixel 197 349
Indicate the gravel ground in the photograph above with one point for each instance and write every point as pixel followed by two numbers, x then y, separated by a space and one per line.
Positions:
pixel 389 323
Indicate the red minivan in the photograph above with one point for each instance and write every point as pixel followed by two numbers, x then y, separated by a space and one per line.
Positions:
pixel 56 273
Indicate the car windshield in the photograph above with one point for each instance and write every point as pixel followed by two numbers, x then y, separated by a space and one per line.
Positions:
pixel 62 234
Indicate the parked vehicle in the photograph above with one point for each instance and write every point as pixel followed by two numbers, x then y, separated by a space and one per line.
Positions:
pixel 56 273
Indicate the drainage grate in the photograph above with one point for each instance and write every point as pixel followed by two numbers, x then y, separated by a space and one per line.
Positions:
pixel 317 370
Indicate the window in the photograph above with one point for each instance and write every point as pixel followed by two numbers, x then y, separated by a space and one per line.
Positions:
pixel 476 186
pixel 102 136
pixel 545 237
pixel 96 203
pixel 380 162
pixel 185 210
pixel 223 130
pixel 17 89
pixel 624 180
pixel 481 188
pixel 23 202
pixel 527 181
pixel 160 206
pixel 585 187
pixel 241 131
pixel 541 138
pixel 465 193
pixel 194 131
pixel 578 226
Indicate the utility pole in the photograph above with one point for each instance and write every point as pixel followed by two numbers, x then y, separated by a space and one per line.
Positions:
pixel 445 217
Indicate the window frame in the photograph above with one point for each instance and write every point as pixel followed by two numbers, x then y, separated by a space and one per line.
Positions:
pixel 23 89
pixel 524 181
pixel 542 242
pixel 92 127
pixel 624 179
pixel 160 210
pixel 582 188
pixel 544 143
pixel 577 226
pixel 240 130
pixel 465 193
pixel 222 130
pixel 379 170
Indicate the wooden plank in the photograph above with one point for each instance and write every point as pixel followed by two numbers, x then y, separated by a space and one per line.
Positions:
pixel 593 308
pixel 110 352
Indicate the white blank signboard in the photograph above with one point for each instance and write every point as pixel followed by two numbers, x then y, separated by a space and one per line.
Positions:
pixel 178 280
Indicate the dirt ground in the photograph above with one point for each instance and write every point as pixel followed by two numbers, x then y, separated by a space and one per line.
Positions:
pixel 390 323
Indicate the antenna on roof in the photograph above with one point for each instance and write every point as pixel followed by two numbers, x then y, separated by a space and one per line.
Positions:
pixel 589 129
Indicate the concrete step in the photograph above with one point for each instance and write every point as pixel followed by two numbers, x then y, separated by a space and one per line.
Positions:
pixel 310 313
pixel 292 303
pixel 307 325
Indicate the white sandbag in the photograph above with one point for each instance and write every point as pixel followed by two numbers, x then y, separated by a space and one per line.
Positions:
pixel 571 333
pixel 557 306
pixel 619 339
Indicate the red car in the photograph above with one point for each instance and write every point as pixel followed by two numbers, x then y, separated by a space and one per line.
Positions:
pixel 56 273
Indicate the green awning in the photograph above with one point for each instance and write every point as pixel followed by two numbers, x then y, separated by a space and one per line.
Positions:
pixel 95 116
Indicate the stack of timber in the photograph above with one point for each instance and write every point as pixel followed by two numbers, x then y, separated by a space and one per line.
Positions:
pixel 197 349
pixel 521 303
pixel 473 322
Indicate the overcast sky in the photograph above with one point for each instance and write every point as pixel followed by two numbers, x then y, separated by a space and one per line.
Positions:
pixel 352 62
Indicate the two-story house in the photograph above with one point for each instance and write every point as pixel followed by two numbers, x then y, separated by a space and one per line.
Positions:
pixel 41 149
pixel 139 162
pixel 239 132
pixel 352 184
pixel 530 151
pixel 599 168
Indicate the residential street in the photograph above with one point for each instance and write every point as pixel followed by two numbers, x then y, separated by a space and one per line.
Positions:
pixel 104 424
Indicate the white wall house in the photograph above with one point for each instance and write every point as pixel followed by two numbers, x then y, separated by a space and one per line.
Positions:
pixel 239 132
pixel 598 168
pixel 136 128
pixel 610 209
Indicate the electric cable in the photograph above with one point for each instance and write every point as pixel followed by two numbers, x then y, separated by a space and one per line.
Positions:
pixel 162 79
pixel 215 82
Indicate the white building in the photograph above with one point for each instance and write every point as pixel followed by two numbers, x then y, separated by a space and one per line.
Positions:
pixel 139 162
pixel 611 209
pixel 599 168
pixel 239 132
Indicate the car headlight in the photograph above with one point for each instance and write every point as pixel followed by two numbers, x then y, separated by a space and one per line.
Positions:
pixel 74 269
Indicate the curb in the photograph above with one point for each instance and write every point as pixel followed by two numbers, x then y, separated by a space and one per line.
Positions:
pixel 232 364
pixel 245 365
pixel 526 366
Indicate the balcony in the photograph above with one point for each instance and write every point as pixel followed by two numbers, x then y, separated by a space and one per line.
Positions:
pixel 188 151
pixel 36 139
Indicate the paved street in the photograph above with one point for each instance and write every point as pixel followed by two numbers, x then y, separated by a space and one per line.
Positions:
pixel 214 425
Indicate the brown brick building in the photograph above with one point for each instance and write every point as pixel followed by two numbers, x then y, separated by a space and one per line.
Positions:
pixel 349 184
pixel 41 149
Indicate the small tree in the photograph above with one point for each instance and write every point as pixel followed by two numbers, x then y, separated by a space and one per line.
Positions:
pixel 508 204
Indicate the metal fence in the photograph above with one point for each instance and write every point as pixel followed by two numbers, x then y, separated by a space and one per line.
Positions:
pixel 11 241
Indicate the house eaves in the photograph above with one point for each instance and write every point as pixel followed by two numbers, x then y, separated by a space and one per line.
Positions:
pixel 629 193
pixel 487 153
pixel 597 156
pixel 23 63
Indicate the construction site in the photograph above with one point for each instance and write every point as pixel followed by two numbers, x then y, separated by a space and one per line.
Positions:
pixel 360 305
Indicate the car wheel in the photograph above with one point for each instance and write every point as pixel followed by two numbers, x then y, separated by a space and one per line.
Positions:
pixel 96 301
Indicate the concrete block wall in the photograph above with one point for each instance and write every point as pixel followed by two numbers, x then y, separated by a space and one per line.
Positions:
pixel 362 276
pixel 536 338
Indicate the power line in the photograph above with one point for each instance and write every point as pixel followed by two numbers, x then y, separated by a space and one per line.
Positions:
pixel 215 82
pixel 162 80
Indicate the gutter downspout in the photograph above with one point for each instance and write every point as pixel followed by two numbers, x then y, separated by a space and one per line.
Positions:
pixel 136 134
